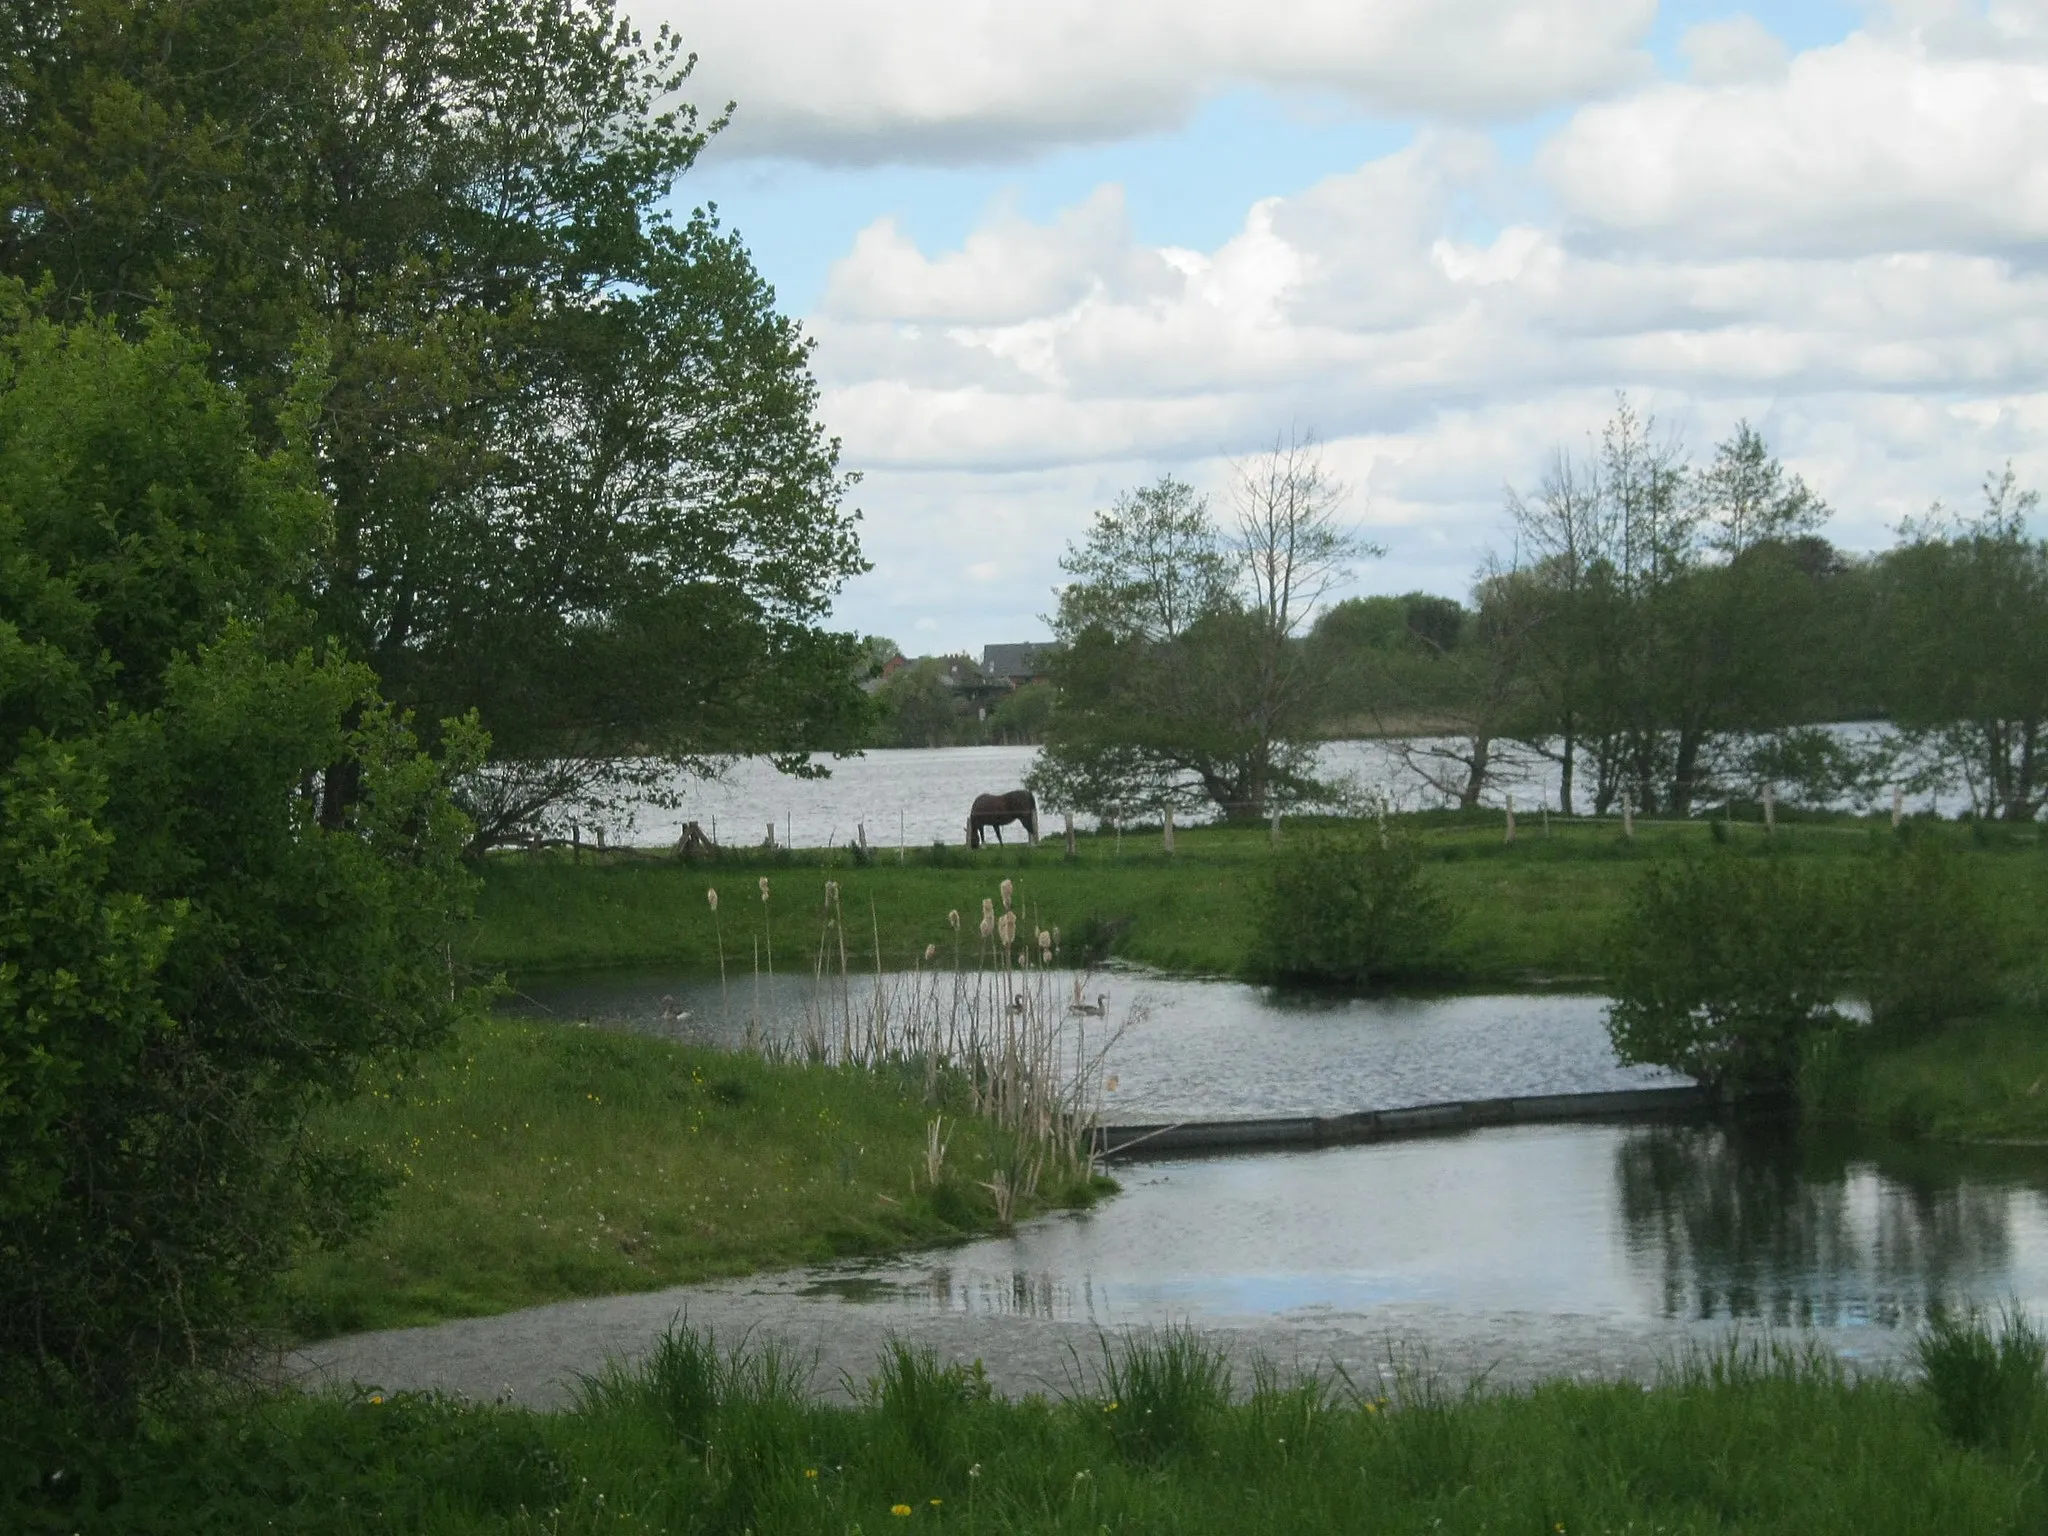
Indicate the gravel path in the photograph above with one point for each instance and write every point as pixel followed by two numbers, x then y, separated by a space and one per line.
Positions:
pixel 535 1357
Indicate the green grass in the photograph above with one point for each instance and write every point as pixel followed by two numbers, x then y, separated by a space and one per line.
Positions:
pixel 701 1441
pixel 536 1162
pixel 1534 913
pixel 1981 1079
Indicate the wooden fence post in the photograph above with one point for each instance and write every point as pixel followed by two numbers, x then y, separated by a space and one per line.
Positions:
pixel 1166 829
pixel 1511 819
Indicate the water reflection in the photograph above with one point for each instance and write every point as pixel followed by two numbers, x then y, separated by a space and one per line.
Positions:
pixel 1627 1224
pixel 1759 1221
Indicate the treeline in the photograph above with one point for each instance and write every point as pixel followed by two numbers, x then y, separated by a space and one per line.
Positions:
pixel 948 701
pixel 1668 634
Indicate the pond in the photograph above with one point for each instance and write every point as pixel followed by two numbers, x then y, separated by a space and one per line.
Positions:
pixel 1200 1049
pixel 1618 1224
pixel 1574 1234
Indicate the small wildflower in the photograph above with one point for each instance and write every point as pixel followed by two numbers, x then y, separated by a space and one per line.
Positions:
pixel 975 1470
pixel 376 1397
pixel 937 1502
pixel 1008 890
pixel 900 1511
pixel 711 895
pixel 811 1472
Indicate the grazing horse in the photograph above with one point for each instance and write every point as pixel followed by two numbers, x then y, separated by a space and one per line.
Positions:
pixel 990 812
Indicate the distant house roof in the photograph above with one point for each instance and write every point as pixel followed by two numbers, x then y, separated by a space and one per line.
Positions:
pixel 1019 664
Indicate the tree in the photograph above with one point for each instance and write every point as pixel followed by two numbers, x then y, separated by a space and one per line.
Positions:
pixel 197 944
pixel 1680 610
pixel 576 476
pixel 1181 674
pixel 1966 628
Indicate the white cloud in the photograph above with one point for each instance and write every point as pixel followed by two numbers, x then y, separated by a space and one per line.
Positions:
pixel 1731 52
pixel 1882 142
pixel 1843 247
pixel 955 81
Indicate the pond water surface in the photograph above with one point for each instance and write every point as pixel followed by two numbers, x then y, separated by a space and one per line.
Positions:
pixel 1624 1224
pixel 1586 1226
pixel 1193 1049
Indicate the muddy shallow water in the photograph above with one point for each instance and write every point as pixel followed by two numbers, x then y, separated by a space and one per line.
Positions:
pixel 1515 1255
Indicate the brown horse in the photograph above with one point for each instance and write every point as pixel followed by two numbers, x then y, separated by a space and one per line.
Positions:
pixel 990 812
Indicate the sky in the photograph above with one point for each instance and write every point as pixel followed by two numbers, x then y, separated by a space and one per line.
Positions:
pixel 1049 252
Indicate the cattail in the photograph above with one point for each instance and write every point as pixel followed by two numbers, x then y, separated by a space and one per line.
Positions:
pixel 988 924
pixel 1006 928
pixel 711 896
pixel 764 887
pixel 988 910
pixel 1007 889
pixel 953 919
pixel 1044 939
pixel 931 951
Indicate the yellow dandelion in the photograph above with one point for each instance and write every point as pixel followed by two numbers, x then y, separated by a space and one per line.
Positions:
pixel 810 1472
pixel 900 1511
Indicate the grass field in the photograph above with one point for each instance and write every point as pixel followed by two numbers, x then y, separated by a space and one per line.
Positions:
pixel 1150 1440
pixel 1528 914
pixel 535 1163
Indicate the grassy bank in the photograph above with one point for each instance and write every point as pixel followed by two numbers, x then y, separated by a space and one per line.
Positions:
pixel 1537 911
pixel 535 1163
pixel 700 1443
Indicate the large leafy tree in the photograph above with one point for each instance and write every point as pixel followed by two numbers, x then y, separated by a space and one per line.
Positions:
pixel 1182 680
pixel 577 479
pixel 192 954
pixel 1965 605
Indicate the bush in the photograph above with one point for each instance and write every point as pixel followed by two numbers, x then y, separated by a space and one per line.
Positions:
pixel 1926 942
pixel 1349 910
pixel 1725 967
pixel 228 876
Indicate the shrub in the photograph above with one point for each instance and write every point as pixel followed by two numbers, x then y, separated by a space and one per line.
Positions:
pixel 1349 910
pixel 1987 1389
pixel 1724 968
pixel 1927 949
pixel 228 876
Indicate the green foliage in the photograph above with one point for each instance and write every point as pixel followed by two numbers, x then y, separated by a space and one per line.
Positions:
pixel 1987 1388
pixel 1965 625
pixel 227 873
pixel 1724 967
pixel 1928 949
pixel 1182 681
pixel 577 480
pixel 1349 909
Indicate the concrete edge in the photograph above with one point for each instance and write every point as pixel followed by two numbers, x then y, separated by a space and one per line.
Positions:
pixel 1388 1124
